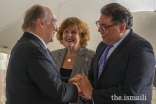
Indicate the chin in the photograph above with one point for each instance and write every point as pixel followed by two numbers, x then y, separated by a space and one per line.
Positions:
pixel 104 42
pixel 50 41
pixel 70 45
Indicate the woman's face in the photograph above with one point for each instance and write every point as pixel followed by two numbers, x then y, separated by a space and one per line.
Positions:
pixel 71 37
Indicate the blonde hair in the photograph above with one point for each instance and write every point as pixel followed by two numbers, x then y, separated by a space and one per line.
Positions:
pixel 82 28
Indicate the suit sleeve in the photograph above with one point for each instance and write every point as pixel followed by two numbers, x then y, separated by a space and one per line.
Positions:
pixel 43 74
pixel 140 70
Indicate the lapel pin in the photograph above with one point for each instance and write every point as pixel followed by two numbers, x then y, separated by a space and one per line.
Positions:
pixel 86 59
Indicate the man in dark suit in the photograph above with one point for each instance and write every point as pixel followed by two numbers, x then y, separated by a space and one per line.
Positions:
pixel 32 77
pixel 123 67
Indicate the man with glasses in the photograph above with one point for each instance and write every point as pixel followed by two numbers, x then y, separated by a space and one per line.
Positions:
pixel 123 67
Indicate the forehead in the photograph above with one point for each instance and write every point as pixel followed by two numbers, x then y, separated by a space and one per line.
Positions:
pixel 71 27
pixel 104 19
pixel 52 15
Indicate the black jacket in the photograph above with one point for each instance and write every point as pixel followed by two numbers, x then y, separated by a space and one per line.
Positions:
pixel 128 71
pixel 32 76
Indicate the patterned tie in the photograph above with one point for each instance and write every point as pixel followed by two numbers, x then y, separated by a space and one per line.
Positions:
pixel 103 59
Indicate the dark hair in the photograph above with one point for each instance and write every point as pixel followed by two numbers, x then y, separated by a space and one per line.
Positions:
pixel 80 25
pixel 118 13
pixel 32 14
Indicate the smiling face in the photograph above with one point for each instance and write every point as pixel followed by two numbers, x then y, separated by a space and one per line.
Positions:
pixel 112 34
pixel 71 37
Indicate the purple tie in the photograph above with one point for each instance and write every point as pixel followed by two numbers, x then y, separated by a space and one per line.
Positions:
pixel 103 58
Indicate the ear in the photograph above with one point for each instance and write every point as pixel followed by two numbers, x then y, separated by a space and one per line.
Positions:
pixel 122 27
pixel 40 23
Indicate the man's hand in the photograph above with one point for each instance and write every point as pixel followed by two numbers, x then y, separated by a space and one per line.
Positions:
pixel 79 90
pixel 74 80
pixel 84 84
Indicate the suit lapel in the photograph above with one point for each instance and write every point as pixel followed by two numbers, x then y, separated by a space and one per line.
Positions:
pixel 98 55
pixel 60 58
pixel 78 62
pixel 31 36
pixel 118 48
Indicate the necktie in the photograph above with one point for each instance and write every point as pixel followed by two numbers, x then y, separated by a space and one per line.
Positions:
pixel 53 63
pixel 103 59
pixel 49 54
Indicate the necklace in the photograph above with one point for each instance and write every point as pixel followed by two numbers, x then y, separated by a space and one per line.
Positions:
pixel 69 59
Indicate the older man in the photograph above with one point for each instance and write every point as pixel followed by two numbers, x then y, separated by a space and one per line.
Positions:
pixel 32 76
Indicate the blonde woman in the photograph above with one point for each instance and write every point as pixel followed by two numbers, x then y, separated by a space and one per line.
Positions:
pixel 75 58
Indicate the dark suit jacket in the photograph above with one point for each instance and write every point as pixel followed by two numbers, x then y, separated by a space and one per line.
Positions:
pixel 128 72
pixel 81 66
pixel 33 78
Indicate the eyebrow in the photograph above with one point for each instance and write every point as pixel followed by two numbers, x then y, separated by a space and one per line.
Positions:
pixel 102 23
pixel 71 30
pixel 55 19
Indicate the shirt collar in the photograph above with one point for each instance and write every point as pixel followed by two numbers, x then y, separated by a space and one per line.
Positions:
pixel 39 39
pixel 119 41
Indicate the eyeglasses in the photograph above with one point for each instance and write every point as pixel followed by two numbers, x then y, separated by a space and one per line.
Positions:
pixel 104 27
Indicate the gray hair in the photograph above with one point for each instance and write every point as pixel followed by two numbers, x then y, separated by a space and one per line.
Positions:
pixel 34 13
pixel 119 14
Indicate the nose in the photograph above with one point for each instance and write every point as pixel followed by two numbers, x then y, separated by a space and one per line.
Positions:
pixel 69 34
pixel 100 29
pixel 56 28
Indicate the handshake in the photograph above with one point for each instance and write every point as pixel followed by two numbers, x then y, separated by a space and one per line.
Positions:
pixel 83 84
